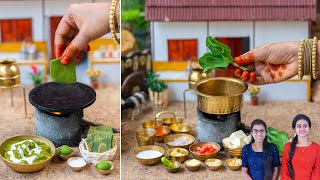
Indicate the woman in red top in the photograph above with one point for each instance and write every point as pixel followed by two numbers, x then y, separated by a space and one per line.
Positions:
pixel 301 157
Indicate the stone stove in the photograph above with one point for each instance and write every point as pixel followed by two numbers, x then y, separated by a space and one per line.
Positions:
pixel 59 111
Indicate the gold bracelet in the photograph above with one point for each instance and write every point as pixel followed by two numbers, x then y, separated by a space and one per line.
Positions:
pixel 314 56
pixel 112 21
pixel 300 56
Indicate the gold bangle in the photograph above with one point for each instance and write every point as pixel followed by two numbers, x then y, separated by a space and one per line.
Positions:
pixel 314 55
pixel 112 21
pixel 300 56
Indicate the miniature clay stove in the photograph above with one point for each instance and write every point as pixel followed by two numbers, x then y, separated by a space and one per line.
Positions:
pixel 59 111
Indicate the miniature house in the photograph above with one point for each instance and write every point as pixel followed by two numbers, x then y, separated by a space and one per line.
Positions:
pixel 179 30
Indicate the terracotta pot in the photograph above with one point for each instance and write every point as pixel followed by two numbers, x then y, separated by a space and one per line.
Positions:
pixel 94 84
pixel 254 101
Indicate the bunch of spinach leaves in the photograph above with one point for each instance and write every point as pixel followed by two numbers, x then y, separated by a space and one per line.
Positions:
pixel 218 57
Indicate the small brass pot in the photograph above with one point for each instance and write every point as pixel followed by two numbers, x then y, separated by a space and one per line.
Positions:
pixel 166 131
pixel 180 159
pixel 180 128
pixel 196 75
pixel 150 124
pixel 220 95
pixel 9 73
pixel 145 137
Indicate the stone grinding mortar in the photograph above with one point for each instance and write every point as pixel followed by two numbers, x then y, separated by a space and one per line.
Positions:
pixel 219 103
pixel 59 111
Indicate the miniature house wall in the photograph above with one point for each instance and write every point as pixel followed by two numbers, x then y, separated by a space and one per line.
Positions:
pixel 259 33
pixel 40 13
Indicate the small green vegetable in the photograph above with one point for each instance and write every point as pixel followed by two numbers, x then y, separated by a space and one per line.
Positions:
pixel 218 58
pixel 65 150
pixel 167 163
pixel 63 73
pixel 103 165
pixel 279 138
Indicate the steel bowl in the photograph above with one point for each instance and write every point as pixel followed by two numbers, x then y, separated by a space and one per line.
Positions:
pixel 231 167
pixel 172 137
pixel 192 168
pixel 220 95
pixel 174 170
pixel 9 73
pixel 26 168
pixel 204 157
pixel 180 128
pixel 151 161
pixel 180 159
pixel 213 168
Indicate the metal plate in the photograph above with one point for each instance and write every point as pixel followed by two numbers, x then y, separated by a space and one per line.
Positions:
pixel 62 97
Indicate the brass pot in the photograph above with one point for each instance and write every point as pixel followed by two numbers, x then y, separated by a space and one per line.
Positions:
pixel 220 95
pixel 196 75
pixel 9 73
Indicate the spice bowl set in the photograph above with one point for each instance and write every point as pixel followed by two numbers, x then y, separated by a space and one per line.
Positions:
pixel 181 146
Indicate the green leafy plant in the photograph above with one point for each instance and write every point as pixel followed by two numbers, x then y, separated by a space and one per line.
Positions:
pixel 218 57
pixel 136 19
pixel 154 83
pixel 36 75
pixel 279 138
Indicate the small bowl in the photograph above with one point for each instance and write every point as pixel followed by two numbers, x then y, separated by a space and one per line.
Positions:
pixel 234 168
pixel 64 157
pixel 180 128
pixel 180 159
pixel 192 168
pixel 173 170
pixel 145 136
pixel 172 137
pixel 213 168
pixel 203 157
pixel 151 161
pixel 150 124
pixel 166 130
pixel 171 120
pixel 76 168
pixel 104 172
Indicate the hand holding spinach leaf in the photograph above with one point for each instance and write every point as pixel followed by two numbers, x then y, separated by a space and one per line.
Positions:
pixel 218 58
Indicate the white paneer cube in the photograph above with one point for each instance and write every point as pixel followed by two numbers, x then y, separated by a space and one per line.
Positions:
pixel 237 135
pixel 247 139
pixel 227 142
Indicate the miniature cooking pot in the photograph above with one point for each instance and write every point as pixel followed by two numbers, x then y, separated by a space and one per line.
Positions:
pixel 220 95
pixel 9 73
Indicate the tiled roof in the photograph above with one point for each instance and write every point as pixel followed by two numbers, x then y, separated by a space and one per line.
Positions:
pixel 230 10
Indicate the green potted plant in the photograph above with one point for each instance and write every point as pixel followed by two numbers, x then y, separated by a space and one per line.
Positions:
pixel 158 90
pixel 254 90
pixel 94 74
pixel 36 75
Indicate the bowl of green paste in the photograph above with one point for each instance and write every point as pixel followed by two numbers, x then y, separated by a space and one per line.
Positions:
pixel 27 153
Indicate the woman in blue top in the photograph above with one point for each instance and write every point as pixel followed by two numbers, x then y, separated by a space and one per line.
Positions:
pixel 260 159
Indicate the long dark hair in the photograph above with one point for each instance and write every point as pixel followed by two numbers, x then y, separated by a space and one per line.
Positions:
pixel 295 141
pixel 266 153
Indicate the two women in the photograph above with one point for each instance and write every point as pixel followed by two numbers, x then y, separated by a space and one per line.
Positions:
pixel 301 157
pixel 260 159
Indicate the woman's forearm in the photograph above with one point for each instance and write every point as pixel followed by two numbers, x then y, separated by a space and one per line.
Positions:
pixel 275 173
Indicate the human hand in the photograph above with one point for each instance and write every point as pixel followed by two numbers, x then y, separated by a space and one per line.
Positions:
pixel 81 24
pixel 270 63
